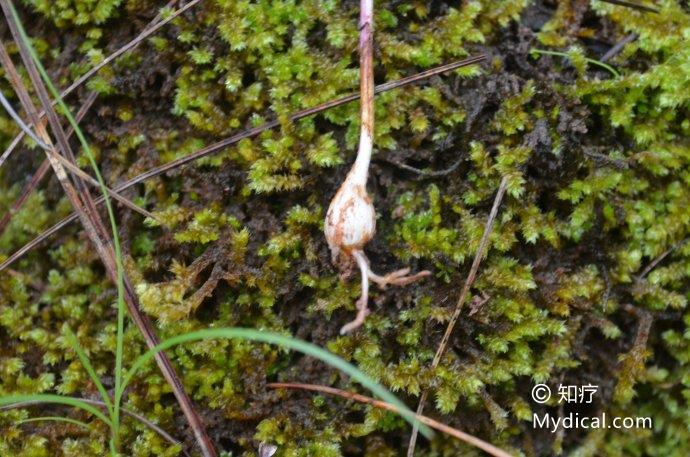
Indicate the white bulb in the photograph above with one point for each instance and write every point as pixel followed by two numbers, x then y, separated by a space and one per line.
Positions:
pixel 351 219
pixel 351 223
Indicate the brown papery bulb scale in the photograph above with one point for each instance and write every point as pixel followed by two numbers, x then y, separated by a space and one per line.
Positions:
pixel 351 218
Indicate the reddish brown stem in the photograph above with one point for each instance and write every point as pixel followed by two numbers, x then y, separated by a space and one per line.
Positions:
pixel 366 65
pixel 360 170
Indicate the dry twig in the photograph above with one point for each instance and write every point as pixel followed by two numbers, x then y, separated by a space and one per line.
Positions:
pixel 618 47
pixel 659 258
pixel 454 432
pixel 423 174
pixel 461 300
pixel 633 5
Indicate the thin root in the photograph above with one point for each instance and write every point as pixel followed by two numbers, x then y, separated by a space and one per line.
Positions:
pixel 396 278
pixel 362 310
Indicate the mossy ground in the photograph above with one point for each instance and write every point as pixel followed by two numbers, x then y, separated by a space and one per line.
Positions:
pixel 599 187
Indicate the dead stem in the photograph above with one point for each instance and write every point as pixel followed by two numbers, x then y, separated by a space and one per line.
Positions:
pixel 646 319
pixel 219 146
pixel 149 30
pixel 632 362
pixel 618 47
pixel 659 258
pixel 461 300
pixel 66 163
pixel 86 177
pixel 42 170
pixel 441 427
pixel 632 5
pixel 13 144
pixel 423 174
pixel 84 204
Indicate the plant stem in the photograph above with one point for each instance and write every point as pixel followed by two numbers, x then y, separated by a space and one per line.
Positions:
pixel 598 63
pixel 360 169
pixel 632 5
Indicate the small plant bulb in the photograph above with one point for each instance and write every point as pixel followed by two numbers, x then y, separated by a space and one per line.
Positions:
pixel 351 218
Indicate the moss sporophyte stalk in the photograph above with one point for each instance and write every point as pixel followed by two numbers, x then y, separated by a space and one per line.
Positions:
pixel 206 124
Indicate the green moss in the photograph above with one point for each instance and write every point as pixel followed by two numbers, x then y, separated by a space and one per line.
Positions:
pixel 598 178
pixel 76 12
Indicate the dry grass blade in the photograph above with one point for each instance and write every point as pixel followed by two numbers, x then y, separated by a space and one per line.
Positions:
pixel 66 163
pixel 86 177
pixel 461 300
pixel 149 30
pixel 42 170
pixel 632 5
pixel 659 258
pixel 618 47
pixel 21 252
pixel 93 226
pixel 17 139
pixel 25 128
pixel 216 147
pixel 219 146
pixel 441 427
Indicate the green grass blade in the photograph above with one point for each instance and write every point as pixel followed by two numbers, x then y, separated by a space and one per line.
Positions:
pixel 598 63
pixel 56 399
pixel 286 342
pixel 74 343
pixel 111 215
pixel 54 419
